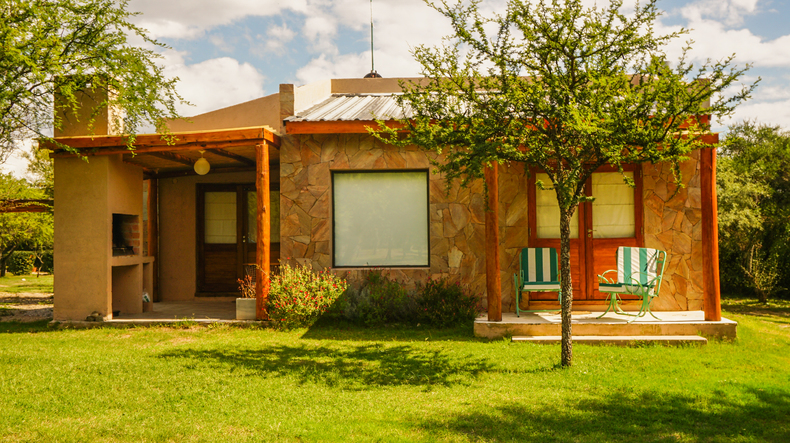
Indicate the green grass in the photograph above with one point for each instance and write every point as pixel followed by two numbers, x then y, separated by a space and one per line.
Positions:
pixel 340 383
pixel 26 283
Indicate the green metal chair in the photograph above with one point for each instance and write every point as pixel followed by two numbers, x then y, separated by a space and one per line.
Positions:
pixel 538 272
pixel 639 272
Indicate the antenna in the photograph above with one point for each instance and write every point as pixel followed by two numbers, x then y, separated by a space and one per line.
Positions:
pixel 372 73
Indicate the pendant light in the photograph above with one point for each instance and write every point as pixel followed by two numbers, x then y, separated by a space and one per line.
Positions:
pixel 202 166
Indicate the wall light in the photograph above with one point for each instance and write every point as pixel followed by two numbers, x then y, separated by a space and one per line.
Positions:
pixel 202 166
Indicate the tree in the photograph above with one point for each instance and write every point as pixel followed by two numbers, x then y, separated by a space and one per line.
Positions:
pixel 63 47
pixel 33 230
pixel 754 209
pixel 563 88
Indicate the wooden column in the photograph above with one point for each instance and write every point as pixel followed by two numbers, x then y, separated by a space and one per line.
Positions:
pixel 153 234
pixel 710 233
pixel 493 277
pixel 262 251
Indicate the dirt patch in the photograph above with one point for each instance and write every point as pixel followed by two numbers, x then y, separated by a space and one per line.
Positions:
pixel 25 306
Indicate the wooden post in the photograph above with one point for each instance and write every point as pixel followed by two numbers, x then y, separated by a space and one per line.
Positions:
pixel 493 278
pixel 262 251
pixel 153 235
pixel 710 234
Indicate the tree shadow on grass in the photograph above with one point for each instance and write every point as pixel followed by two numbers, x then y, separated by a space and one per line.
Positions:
pixel 352 367
pixel 645 417
pixel 13 327
pixel 333 328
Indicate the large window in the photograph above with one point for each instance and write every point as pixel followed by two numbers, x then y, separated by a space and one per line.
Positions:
pixel 380 218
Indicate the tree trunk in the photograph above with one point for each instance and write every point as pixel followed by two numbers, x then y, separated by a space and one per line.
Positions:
pixel 566 286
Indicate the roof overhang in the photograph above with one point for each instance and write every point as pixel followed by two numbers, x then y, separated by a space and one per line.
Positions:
pixel 174 154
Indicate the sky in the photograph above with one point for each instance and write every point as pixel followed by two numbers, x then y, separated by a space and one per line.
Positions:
pixel 229 51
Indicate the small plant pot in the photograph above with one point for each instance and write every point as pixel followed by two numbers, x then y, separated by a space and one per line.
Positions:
pixel 245 309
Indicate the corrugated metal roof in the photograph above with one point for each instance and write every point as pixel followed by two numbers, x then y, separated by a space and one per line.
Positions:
pixel 350 107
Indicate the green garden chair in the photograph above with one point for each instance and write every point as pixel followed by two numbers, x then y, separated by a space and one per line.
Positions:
pixel 538 272
pixel 639 272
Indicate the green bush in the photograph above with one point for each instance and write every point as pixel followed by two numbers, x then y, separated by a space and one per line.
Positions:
pixel 21 262
pixel 298 296
pixel 378 301
pixel 443 304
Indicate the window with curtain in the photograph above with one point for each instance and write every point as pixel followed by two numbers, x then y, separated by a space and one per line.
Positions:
pixel 380 218
pixel 613 207
pixel 548 211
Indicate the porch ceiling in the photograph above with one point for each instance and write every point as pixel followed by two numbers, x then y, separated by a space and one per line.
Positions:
pixel 230 150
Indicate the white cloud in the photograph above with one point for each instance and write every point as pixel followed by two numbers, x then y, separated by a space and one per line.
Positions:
pixel 279 37
pixel 214 83
pixel 732 12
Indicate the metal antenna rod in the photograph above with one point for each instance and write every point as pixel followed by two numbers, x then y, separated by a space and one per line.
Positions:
pixel 372 66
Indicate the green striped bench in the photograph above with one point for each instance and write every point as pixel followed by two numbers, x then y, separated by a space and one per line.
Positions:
pixel 538 272
pixel 639 272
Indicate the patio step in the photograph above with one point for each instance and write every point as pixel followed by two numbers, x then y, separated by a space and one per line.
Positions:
pixel 620 340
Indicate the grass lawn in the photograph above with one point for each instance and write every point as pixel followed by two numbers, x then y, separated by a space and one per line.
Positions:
pixel 26 283
pixel 335 383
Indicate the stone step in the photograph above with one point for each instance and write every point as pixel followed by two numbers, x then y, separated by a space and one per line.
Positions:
pixel 620 340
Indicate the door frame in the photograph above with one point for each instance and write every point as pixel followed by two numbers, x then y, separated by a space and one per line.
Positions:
pixel 241 221
pixel 588 287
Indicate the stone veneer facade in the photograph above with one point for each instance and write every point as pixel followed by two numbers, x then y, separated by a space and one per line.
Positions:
pixel 457 216
pixel 673 223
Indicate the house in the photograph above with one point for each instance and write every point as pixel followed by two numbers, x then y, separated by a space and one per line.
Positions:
pixel 145 221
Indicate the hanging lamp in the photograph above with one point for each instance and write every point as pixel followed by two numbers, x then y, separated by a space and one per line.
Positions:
pixel 202 166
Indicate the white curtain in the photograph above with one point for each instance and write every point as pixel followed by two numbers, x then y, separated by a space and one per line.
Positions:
pixel 613 207
pixel 220 217
pixel 381 218
pixel 548 211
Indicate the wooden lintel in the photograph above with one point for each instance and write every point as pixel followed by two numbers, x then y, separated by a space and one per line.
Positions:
pixel 234 156
pixel 493 276
pixel 240 136
pixel 263 247
pixel 214 170
pixel 172 156
pixel 146 149
pixel 37 205
pixel 336 127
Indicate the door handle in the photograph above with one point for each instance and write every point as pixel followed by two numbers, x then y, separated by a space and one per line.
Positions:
pixel 589 233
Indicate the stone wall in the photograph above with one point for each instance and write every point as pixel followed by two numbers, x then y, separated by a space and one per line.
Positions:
pixel 457 215
pixel 457 234
pixel 672 224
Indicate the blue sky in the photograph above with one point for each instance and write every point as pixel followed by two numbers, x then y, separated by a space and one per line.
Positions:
pixel 229 51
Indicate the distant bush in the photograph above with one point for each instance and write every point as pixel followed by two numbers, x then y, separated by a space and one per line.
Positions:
pixel 298 296
pixel 21 262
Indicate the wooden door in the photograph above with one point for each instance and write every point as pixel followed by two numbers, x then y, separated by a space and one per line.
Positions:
pixel 598 228
pixel 226 235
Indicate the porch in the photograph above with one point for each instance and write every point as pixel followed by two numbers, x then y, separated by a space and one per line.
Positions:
pixel 675 327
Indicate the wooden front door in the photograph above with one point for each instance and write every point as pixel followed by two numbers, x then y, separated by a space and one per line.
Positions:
pixel 226 235
pixel 598 228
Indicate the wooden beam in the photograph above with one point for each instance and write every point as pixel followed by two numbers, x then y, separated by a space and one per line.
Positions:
pixel 493 277
pixel 336 127
pixel 153 235
pixel 250 135
pixel 234 156
pixel 710 234
pixel 263 247
pixel 214 170
pixel 26 205
pixel 173 157
pixel 111 150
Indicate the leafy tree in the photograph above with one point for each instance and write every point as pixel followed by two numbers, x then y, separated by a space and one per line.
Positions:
pixel 564 88
pixel 65 46
pixel 40 168
pixel 754 210
pixel 30 230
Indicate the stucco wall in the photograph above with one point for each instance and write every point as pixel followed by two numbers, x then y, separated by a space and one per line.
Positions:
pixel 457 234
pixel 178 232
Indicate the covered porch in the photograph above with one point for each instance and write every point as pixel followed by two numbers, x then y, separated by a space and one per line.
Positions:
pixel 129 221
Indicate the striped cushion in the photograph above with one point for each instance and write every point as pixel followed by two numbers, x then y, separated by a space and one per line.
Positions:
pixel 636 265
pixel 539 268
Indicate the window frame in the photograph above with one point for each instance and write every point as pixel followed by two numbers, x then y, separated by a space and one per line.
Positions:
pixel 427 172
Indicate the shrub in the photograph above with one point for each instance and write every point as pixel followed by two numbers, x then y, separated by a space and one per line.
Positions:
pixel 443 303
pixel 298 296
pixel 246 287
pixel 21 262
pixel 379 300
